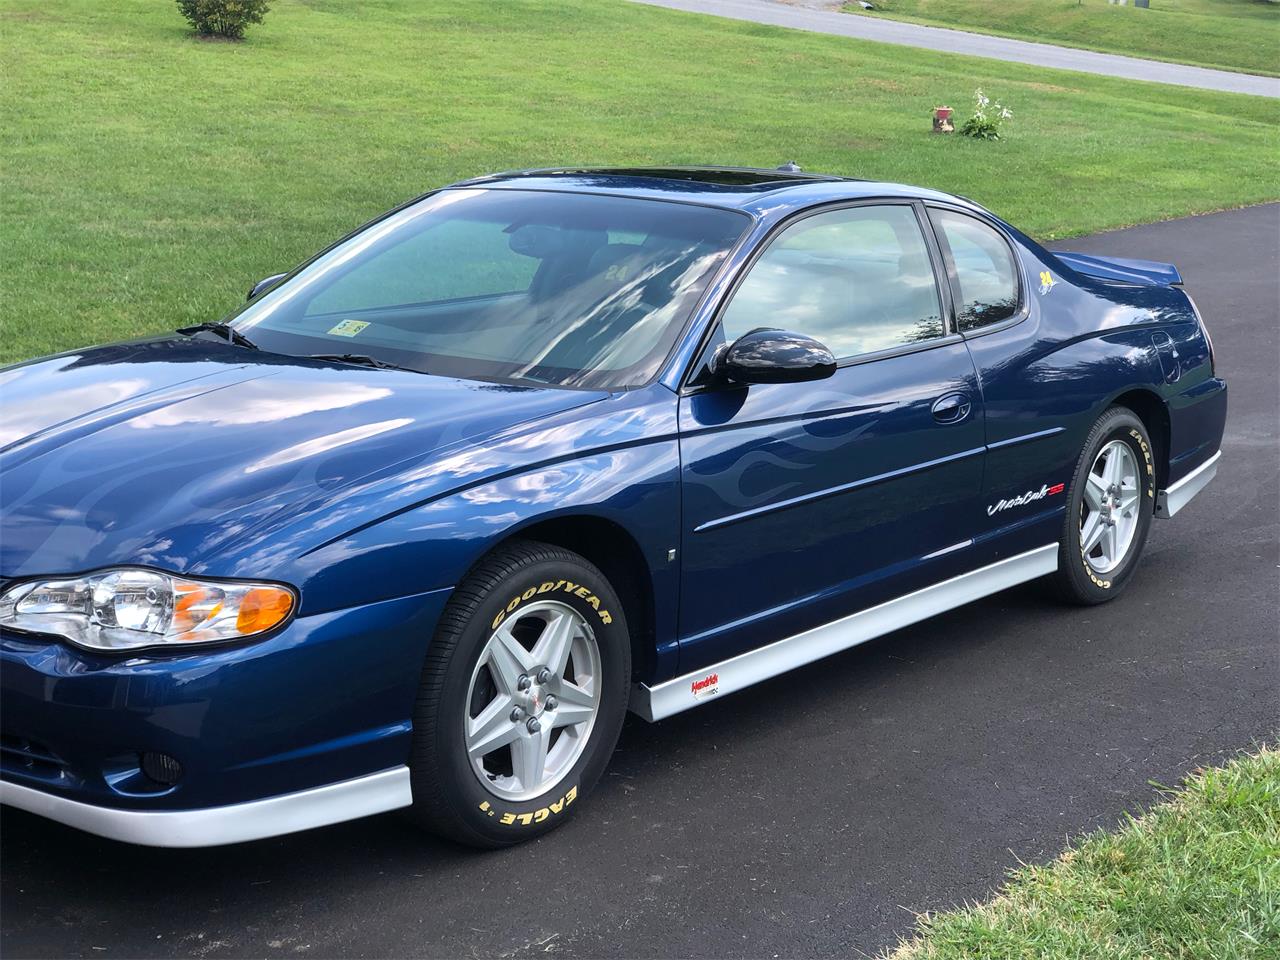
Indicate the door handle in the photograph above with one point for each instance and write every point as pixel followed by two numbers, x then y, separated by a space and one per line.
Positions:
pixel 951 408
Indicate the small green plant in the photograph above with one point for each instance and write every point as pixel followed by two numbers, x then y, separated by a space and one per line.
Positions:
pixel 988 117
pixel 223 18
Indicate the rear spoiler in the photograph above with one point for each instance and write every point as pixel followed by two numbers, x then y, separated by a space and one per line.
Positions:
pixel 1146 273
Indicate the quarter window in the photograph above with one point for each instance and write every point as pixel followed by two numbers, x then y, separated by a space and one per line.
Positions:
pixel 984 268
pixel 858 279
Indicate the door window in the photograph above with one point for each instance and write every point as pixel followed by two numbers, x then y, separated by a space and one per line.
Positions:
pixel 984 267
pixel 859 280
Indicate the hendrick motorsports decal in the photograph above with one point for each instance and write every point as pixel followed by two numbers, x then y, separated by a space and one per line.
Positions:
pixel 708 686
pixel 1024 499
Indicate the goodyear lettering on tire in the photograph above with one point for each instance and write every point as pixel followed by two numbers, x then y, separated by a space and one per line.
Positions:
pixel 509 819
pixel 567 586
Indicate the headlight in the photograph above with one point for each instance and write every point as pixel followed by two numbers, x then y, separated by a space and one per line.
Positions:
pixel 126 608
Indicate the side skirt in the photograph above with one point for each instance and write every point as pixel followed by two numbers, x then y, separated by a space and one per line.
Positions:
pixel 728 676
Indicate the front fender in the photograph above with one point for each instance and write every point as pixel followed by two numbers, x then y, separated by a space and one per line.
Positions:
pixel 618 462
pixel 434 545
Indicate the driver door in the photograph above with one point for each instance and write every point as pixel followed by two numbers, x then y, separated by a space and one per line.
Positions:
pixel 804 502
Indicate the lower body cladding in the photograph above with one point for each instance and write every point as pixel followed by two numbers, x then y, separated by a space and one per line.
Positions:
pixel 1179 494
pixel 310 727
pixel 692 689
pixel 212 826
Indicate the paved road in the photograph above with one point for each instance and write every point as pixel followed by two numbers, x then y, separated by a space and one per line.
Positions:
pixel 976 44
pixel 813 815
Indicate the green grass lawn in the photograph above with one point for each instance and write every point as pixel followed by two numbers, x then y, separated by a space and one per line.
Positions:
pixel 1196 878
pixel 150 178
pixel 1240 35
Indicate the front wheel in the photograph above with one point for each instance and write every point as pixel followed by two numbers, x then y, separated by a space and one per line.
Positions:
pixel 523 695
pixel 1110 509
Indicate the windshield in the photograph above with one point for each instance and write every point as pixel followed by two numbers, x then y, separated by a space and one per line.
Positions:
pixel 574 290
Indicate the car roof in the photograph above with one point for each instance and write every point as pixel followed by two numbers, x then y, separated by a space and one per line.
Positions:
pixel 755 190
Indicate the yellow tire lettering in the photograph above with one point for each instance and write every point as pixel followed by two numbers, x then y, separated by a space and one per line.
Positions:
pixel 547 586
pixel 535 816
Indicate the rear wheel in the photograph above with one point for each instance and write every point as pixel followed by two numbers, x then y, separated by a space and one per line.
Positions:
pixel 523 695
pixel 1111 505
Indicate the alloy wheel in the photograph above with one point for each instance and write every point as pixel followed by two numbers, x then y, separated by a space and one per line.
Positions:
pixel 1110 507
pixel 533 700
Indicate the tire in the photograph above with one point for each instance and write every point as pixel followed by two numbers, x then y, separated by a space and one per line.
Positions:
pixel 544 599
pixel 1091 568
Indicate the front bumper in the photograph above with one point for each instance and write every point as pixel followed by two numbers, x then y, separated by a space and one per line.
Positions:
pixel 234 823
pixel 310 726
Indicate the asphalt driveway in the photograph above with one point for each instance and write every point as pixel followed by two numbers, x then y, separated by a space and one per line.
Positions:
pixel 812 815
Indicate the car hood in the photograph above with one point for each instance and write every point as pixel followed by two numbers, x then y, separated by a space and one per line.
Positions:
pixel 166 452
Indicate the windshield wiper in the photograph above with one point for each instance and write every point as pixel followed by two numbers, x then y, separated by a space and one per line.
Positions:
pixel 362 360
pixel 225 331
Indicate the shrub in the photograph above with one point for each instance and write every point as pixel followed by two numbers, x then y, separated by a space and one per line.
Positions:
pixel 988 117
pixel 223 18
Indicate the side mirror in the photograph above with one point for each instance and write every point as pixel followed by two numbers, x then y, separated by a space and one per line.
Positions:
pixel 773 356
pixel 263 285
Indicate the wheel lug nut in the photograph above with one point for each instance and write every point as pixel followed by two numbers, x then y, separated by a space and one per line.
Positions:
pixel 534 725
pixel 516 715
pixel 552 703
pixel 544 675
pixel 524 683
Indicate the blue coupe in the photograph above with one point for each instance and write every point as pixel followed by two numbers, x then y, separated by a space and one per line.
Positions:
pixel 420 522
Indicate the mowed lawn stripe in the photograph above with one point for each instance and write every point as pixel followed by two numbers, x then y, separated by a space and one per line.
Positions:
pixel 150 178
pixel 1237 35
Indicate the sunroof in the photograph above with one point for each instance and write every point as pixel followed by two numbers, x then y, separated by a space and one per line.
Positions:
pixel 725 176
pixel 729 177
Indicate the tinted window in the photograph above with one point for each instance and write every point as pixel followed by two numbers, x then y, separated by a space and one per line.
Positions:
pixel 859 280
pixel 567 289
pixel 984 268
pixel 483 265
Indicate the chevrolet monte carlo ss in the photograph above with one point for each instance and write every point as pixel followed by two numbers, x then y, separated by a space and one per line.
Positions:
pixel 421 521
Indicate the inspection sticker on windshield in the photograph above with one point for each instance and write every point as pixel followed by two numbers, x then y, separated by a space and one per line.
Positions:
pixel 347 328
